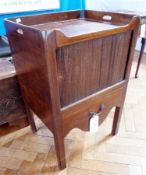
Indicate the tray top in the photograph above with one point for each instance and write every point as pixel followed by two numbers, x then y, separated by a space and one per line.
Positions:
pixel 75 26
pixel 72 27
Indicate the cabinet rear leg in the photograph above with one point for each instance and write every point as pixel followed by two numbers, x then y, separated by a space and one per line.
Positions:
pixel 60 151
pixel 31 119
pixel 117 119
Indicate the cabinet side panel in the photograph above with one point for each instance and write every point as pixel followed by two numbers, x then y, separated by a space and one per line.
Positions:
pixel 88 67
pixel 31 68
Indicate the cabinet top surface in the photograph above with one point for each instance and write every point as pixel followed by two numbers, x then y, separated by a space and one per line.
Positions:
pixel 75 26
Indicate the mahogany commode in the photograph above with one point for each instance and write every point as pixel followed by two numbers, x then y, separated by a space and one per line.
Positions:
pixel 71 64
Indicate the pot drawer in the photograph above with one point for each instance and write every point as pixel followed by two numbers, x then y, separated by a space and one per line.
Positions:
pixel 79 114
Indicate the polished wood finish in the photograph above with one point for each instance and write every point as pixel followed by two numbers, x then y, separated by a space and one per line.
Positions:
pixel 70 66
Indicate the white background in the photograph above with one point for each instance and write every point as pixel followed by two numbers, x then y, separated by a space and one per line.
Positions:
pixel 107 5
pixel 10 6
pixel 114 5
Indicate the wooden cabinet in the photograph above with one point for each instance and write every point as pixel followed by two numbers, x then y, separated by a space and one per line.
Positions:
pixel 71 64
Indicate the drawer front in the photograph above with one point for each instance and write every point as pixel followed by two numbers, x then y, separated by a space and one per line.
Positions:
pixel 78 115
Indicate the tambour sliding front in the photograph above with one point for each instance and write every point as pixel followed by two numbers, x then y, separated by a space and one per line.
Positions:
pixel 71 64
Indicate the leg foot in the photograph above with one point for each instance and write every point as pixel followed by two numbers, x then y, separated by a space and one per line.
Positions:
pixel 31 119
pixel 62 164
pixel 60 151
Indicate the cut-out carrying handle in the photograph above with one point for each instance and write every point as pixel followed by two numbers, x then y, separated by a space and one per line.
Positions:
pixel 20 31
pixel 107 18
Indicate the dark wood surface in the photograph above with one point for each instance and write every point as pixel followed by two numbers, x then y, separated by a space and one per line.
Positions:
pixel 11 105
pixel 12 110
pixel 69 66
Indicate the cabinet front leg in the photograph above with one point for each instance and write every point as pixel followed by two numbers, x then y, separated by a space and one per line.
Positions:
pixel 60 150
